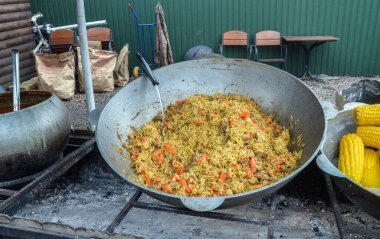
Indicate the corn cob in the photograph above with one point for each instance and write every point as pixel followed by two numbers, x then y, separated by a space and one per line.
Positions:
pixel 367 115
pixel 370 135
pixel 351 156
pixel 371 171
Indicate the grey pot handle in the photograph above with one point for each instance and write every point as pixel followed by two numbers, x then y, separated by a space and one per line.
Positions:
pixel 202 204
pixel 326 166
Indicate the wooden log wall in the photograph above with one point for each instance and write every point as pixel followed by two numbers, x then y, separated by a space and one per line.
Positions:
pixel 16 32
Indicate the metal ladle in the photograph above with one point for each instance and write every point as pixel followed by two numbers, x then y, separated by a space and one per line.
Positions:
pixel 16 79
pixel 148 71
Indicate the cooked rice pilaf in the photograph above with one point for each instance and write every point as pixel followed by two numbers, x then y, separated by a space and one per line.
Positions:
pixel 213 145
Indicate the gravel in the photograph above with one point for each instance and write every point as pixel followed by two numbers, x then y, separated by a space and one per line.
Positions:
pixel 325 91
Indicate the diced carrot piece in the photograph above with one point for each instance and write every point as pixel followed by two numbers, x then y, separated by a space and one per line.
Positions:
pixel 244 114
pixel 155 180
pixel 180 170
pixel 214 193
pixel 144 139
pixel 205 156
pixel 170 149
pixel 167 188
pixel 232 121
pixel 199 122
pixel 159 156
pixel 212 116
pixel 235 165
pixel 134 134
pixel 278 169
pixel 134 157
pixel 199 161
pixel 147 180
pixel 167 124
pixel 171 177
pixel 210 174
pixel 223 192
pixel 249 173
pixel 200 112
pixel 253 164
pixel 181 102
pixel 223 176
pixel 187 189
pixel 184 184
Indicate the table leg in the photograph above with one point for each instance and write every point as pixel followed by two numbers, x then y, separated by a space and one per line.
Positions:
pixel 306 74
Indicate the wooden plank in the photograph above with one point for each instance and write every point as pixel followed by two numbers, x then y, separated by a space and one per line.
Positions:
pixel 8 60
pixel 229 42
pixel 235 35
pixel 268 42
pixel 23 72
pixel 309 38
pixel 12 8
pixel 26 47
pixel 16 41
pixel 11 17
pixel 22 79
pixel 268 34
pixel 99 34
pixel 9 26
pixel 16 33
pixel 23 64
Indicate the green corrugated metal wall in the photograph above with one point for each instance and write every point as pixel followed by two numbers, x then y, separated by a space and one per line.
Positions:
pixel 201 22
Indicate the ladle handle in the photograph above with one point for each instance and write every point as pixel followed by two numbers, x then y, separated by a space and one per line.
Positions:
pixel 16 79
pixel 146 68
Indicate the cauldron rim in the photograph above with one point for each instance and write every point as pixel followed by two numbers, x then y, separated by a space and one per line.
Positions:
pixel 45 96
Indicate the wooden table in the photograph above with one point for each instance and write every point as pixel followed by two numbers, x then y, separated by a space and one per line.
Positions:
pixel 308 43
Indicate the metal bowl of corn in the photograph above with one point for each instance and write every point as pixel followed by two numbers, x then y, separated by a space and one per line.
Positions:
pixel 351 156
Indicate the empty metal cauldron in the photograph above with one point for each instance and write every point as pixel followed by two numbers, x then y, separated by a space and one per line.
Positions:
pixel 34 137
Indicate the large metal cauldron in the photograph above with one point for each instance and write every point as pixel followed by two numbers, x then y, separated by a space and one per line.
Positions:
pixel 274 90
pixel 33 137
pixel 367 200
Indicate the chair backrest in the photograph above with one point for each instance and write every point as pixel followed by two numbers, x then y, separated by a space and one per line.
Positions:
pixel 102 34
pixel 268 38
pixel 235 38
pixel 61 40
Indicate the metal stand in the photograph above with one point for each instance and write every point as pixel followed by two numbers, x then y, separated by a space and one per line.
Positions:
pixel 306 74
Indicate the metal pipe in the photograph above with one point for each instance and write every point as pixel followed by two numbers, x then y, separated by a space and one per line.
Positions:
pixel 73 26
pixel 83 43
pixel 16 79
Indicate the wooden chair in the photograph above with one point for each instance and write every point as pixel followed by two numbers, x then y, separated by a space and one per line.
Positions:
pixel 234 38
pixel 102 34
pixel 269 38
pixel 61 41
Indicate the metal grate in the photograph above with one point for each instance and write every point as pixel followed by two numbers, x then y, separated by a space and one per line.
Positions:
pixel 346 230
pixel 82 143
